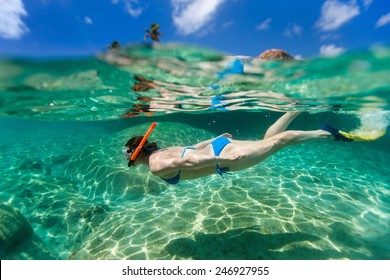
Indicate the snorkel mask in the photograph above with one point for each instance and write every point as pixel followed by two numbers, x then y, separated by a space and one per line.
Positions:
pixel 126 152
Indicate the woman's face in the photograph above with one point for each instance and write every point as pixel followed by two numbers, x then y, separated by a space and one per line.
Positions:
pixel 127 152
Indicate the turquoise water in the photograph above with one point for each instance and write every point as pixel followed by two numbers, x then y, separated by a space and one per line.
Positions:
pixel 67 193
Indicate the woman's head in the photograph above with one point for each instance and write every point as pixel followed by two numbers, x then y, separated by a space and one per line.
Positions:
pixel 133 144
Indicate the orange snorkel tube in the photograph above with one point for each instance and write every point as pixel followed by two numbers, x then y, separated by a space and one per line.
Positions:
pixel 141 144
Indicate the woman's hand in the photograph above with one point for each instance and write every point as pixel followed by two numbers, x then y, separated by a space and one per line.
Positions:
pixel 232 158
pixel 227 135
pixel 237 157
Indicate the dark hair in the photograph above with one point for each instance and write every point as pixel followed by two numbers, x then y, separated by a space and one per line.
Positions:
pixel 148 148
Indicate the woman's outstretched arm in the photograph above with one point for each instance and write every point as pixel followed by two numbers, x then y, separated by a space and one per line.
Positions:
pixel 163 167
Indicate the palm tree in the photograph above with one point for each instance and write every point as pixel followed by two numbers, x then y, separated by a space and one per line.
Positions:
pixel 153 32
pixel 114 45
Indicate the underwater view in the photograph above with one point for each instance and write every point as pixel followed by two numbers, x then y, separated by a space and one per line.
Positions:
pixel 67 192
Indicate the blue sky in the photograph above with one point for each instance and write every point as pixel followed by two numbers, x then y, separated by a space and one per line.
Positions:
pixel 240 27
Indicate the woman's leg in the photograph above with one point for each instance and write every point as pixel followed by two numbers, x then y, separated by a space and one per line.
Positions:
pixel 281 124
pixel 270 146
pixel 255 152
pixel 294 137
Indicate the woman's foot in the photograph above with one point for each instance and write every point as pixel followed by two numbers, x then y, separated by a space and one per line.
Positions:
pixel 338 136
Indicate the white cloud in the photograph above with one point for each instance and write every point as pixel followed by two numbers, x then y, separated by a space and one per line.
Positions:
pixel 331 50
pixel 190 16
pixel 131 6
pixel 88 20
pixel 367 3
pixel 228 24
pixel 298 57
pixel 264 25
pixel 383 20
pixel 334 14
pixel 330 36
pixel 11 24
pixel 292 29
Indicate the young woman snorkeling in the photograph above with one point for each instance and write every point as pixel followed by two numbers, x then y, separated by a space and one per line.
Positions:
pixel 223 154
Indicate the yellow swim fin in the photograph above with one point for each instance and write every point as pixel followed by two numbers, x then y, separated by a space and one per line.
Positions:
pixel 349 137
pixel 360 137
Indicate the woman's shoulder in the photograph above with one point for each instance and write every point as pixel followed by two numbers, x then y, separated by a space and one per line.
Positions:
pixel 172 149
